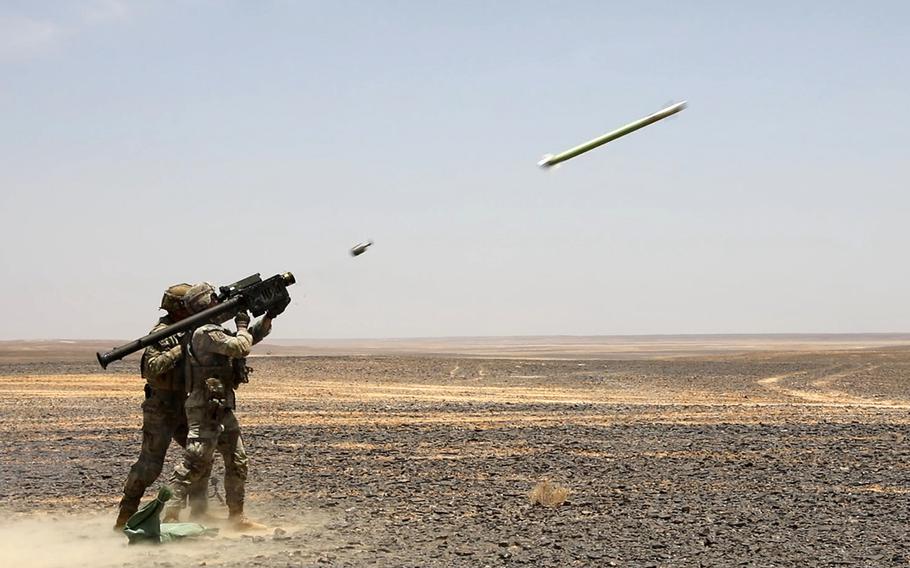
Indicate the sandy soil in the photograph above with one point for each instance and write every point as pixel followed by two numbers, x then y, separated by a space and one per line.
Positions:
pixel 735 456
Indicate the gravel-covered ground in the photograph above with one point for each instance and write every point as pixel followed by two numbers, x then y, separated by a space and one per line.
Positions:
pixel 764 459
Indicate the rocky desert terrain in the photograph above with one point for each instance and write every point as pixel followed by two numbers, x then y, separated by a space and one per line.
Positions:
pixel 790 452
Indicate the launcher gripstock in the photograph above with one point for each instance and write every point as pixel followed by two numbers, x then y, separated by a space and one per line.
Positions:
pixel 252 294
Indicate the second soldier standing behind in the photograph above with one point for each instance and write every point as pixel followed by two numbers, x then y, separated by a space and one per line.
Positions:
pixel 215 368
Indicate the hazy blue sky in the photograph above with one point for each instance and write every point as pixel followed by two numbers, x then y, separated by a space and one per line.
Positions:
pixel 146 143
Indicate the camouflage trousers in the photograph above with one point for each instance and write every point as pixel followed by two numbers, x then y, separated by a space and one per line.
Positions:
pixel 163 420
pixel 204 438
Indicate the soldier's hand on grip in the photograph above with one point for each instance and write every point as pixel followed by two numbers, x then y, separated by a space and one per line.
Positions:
pixel 277 309
pixel 242 320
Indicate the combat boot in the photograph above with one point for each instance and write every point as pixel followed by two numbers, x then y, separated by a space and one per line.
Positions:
pixel 240 522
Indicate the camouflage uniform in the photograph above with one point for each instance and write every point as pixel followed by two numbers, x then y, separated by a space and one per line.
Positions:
pixel 214 369
pixel 163 419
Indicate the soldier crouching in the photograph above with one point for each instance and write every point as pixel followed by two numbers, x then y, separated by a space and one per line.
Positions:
pixel 215 368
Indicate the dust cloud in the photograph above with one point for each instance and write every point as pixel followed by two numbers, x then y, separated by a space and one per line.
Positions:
pixel 46 541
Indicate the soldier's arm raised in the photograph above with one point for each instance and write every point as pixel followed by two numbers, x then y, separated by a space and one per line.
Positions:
pixel 261 328
pixel 218 341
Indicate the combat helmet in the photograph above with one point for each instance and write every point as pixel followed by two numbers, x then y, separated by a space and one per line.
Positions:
pixel 199 297
pixel 172 301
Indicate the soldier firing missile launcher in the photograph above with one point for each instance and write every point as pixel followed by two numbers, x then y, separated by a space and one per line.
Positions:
pixel 252 294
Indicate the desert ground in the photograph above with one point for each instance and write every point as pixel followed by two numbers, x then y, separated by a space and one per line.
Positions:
pixel 676 451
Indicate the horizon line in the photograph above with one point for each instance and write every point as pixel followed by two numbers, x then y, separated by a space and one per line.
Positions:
pixel 535 336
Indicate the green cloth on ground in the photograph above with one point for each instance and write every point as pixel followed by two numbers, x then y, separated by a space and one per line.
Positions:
pixel 145 525
pixel 176 531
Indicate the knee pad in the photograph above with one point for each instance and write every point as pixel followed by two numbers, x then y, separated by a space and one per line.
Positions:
pixel 197 459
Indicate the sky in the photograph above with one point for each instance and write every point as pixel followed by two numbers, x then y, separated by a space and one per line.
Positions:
pixel 148 143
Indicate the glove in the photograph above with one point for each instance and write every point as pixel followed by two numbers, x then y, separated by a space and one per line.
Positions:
pixel 277 309
pixel 242 320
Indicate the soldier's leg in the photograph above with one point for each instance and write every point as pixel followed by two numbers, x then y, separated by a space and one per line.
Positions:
pixel 197 459
pixel 181 432
pixel 230 446
pixel 156 437
pixel 197 496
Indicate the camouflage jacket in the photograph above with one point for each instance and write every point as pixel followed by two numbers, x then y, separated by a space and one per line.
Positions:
pixel 213 351
pixel 159 362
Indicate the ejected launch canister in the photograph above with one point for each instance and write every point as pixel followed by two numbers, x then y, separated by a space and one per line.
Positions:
pixel 550 160
pixel 360 248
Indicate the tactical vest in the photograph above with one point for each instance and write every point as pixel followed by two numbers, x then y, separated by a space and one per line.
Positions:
pixel 201 390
